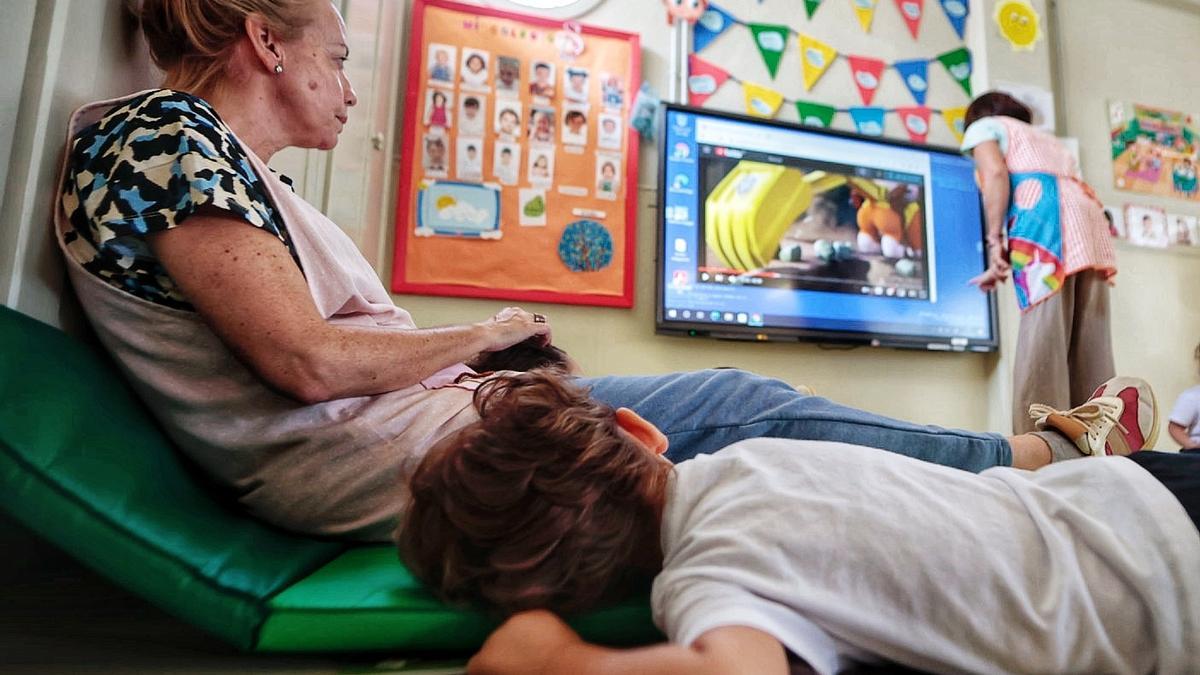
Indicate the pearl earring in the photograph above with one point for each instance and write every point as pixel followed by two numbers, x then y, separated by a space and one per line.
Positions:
pixel 278 68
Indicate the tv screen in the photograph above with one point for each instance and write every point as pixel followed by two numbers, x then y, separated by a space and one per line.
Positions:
pixel 771 231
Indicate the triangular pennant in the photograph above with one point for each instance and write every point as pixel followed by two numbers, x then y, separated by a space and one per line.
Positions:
pixel 958 64
pixel 954 120
pixel 771 40
pixel 912 11
pixel 865 11
pixel 703 79
pixel 957 11
pixel 810 7
pixel 815 58
pixel 915 74
pixel 868 121
pixel 760 101
pixel 866 73
pixel 815 114
pixel 709 26
pixel 915 121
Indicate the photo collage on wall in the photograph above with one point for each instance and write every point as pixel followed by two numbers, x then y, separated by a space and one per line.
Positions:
pixel 517 158
pixel 503 119
pixel 1152 226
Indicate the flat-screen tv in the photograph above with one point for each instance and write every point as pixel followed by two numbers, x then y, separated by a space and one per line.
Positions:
pixel 773 231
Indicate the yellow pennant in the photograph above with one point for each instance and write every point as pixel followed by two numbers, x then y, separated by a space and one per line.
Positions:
pixel 760 101
pixel 865 10
pixel 954 120
pixel 815 57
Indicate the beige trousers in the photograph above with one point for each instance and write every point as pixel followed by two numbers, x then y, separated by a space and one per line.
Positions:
pixel 1064 348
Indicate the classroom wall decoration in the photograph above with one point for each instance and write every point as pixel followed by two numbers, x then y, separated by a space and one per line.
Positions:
pixel 520 166
pixel 816 57
pixel 1154 150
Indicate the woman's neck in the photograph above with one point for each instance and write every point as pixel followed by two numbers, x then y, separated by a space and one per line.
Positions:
pixel 247 110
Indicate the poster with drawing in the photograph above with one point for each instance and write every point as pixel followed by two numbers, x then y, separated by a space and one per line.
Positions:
pixel 520 158
pixel 1153 150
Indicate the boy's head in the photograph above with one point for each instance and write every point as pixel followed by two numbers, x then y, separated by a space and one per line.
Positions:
pixel 471 152
pixel 609 170
pixel 508 120
pixel 575 120
pixel 506 156
pixel 551 500
pixel 609 125
pixel 471 106
pixel 475 63
pixel 541 71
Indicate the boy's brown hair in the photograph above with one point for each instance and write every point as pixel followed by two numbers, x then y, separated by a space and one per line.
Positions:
pixel 543 503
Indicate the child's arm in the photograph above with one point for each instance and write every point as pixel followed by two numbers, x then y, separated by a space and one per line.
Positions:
pixel 1180 434
pixel 539 643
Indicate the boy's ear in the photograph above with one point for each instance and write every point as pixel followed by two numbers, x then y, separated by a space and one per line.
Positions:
pixel 643 430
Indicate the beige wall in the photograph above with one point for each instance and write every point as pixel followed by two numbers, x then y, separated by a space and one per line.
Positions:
pixel 1142 51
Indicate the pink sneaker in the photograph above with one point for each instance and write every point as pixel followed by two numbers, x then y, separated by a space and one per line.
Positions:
pixel 1120 418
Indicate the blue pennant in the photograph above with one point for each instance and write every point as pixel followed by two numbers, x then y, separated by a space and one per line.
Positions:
pixel 868 121
pixel 714 22
pixel 957 11
pixel 915 74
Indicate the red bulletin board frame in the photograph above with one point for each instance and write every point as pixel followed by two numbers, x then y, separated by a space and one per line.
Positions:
pixel 411 172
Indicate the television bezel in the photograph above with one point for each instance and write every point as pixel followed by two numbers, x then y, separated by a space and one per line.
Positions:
pixel 781 334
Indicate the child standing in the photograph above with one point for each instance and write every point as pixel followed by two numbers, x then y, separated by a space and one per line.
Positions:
pixel 1184 422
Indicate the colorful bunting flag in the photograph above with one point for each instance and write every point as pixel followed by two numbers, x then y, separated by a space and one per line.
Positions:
pixel 912 11
pixel 954 120
pixel 958 64
pixel 916 122
pixel 711 24
pixel 771 40
pixel 957 11
pixel 868 121
pixel 761 101
pixel 810 7
pixel 865 10
pixel 915 74
pixel 703 79
pixel 815 59
pixel 815 114
pixel 867 73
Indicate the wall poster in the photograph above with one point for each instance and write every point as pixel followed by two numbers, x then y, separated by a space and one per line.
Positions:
pixel 1153 150
pixel 518 164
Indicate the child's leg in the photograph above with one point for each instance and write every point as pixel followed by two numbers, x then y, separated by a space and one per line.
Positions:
pixel 1179 473
pixel 704 411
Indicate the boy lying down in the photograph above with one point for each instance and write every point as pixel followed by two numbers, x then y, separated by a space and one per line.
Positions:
pixel 775 553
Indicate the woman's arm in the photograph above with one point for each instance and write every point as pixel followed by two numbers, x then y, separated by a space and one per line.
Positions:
pixel 994 182
pixel 246 286
pixel 540 643
pixel 1179 434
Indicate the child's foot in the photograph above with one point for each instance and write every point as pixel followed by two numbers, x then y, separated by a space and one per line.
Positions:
pixel 1120 418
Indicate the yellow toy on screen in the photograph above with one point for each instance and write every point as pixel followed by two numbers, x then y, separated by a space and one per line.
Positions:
pixel 750 210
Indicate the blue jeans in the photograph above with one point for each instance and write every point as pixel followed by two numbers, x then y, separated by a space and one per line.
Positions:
pixel 706 410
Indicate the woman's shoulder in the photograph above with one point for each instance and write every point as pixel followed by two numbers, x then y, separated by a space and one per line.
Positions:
pixel 152 123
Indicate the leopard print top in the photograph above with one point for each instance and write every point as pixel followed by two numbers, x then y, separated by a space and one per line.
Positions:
pixel 146 166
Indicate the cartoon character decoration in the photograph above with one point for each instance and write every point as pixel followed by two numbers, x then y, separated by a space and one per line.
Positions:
pixel 1019 23
pixel 686 10
pixel 890 224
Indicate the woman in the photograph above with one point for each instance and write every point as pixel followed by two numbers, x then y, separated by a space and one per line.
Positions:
pixel 1046 228
pixel 264 342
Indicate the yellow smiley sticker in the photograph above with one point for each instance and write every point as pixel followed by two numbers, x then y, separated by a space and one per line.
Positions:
pixel 1019 23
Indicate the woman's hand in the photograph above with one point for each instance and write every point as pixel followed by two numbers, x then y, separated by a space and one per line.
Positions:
pixel 525 644
pixel 513 324
pixel 998 267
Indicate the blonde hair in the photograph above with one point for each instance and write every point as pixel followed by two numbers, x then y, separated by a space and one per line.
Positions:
pixel 190 40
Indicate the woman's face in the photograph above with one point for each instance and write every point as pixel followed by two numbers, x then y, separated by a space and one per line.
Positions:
pixel 314 95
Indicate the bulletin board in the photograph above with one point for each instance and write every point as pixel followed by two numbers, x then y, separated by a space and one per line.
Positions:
pixel 518 164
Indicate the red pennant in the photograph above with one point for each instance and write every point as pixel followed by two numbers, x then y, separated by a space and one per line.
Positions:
pixel 866 73
pixel 703 79
pixel 915 121
pixel 912 11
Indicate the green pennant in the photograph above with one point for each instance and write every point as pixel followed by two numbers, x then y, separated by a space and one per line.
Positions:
pixel 771 41
pixel 810 7
pixel 815 114
pixel 958 65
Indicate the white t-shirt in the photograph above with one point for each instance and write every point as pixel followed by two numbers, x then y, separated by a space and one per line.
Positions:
pixel 842 552
pixel 1187 413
